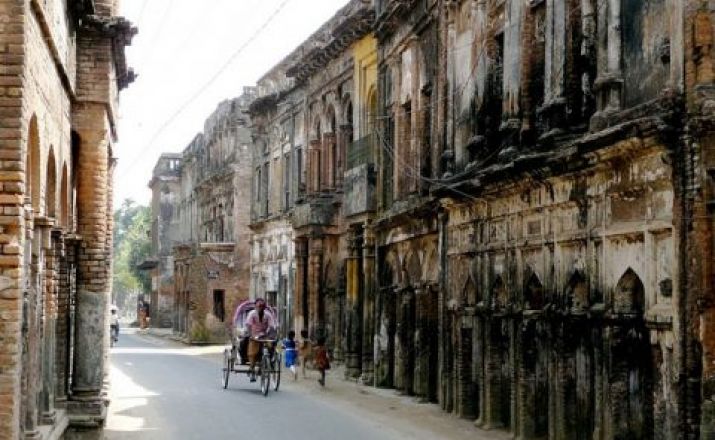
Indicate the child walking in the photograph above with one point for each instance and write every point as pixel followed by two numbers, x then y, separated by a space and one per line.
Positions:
pixel 305 351
pixel 322 363
pixel 291 353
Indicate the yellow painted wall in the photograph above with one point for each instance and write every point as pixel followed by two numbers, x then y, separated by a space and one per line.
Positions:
pixel 365 78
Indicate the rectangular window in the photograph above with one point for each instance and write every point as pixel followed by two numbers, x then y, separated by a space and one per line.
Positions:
pixel 266 186
pixel 271 298
pixel 219 304
pixel 257 184
pixel 286 181
pixel 299 169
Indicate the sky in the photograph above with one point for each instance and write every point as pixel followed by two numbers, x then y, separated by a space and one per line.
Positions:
pixel 181 47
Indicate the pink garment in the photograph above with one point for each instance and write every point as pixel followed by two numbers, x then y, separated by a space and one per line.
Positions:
pixel 258 327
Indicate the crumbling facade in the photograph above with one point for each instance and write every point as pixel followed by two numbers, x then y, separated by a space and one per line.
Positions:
pixel 201 225
pixel 62 67
pixel 303 125
pixel 165 188
pixel 277 121
pixel 542 167
pixel 512 200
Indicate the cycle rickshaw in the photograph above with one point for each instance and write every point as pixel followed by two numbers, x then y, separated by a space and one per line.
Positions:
pixel 235 359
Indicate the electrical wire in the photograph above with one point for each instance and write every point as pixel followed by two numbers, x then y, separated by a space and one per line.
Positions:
pixel 206 85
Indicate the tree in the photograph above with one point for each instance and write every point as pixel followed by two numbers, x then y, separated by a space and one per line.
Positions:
pixel 132 245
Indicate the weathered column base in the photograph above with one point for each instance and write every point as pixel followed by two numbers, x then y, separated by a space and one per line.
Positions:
pixel 77 433
pixel 87 418
pixel 48 418
pixel 367 376
pixel 352 366
pixel 707 422
pixel 31 435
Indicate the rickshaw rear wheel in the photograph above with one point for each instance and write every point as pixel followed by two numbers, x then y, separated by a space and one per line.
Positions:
pixel 265 375
pixel 276 371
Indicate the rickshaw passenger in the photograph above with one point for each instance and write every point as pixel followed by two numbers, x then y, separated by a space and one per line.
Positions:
pixel 260 324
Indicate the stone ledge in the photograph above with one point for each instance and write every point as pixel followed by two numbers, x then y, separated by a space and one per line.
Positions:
pixel 55 431
pixel 89 414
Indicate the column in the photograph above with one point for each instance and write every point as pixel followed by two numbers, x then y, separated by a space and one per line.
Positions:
pixel 344 144
pixel 315 266
pixel 49 242
pixel 32 316
pixel 93 268
pixel 511 126
pixel 300 305
pixel 328 177
pixel 354 304
pixel 445 330
pixel 609 82
pixel 62 334
pixel 553 110
pixel 449 156
pixel 314 166
pixel 369 315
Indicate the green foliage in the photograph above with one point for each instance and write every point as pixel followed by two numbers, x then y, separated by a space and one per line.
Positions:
pixel 199 334
pixel 132 245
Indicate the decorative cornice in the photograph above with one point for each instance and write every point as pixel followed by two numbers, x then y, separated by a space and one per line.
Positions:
pixel 121 32
pixel 390 16
pixel 349 27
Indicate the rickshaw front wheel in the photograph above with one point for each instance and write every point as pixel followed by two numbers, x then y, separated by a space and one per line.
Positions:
pixel 227 367
pixel 265 375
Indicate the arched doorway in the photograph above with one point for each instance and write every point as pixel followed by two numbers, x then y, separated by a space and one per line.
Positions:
pixel 630 372
pixel 385 319
pixel 499 368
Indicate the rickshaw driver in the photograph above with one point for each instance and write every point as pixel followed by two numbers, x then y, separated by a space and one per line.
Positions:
pixel 260 324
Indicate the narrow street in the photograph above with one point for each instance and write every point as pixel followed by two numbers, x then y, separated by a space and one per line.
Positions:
pixel 164 390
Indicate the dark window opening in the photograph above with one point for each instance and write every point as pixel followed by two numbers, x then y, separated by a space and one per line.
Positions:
pixel 219 304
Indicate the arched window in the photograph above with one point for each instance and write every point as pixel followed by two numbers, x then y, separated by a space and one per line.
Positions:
pixel 51 189
pixel 500 298
pixel 629 296
pixel 331 149
pixel 64 198
pixel 32 165
pixel 349 119
pixel 533 293
pixel 371 116
pixel 577 292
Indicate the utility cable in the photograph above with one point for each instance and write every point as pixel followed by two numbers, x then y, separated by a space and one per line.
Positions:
pixel 206 85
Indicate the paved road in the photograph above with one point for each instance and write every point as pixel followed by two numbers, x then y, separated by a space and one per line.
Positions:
pixel 161 390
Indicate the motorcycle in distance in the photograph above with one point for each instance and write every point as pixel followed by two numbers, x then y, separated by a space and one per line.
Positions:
pixel 113 327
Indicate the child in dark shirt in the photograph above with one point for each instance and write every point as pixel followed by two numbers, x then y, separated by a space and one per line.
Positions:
pixel 322 362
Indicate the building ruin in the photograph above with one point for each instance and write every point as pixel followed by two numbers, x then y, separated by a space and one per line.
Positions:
pixel 200 226
pixel 502 206
pixel 62 67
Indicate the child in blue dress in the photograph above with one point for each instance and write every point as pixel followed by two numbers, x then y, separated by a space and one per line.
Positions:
pixel 291 353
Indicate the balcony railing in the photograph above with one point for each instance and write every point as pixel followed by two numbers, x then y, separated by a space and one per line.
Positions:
pixel 361 151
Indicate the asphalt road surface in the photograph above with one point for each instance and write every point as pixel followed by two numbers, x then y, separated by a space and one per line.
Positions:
pixel 162 390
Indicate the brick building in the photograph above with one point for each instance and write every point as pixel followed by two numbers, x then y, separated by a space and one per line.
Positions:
pixel 541 190
pixel 502 206
pixel 165 188
pixel 200 228
pixel 303 123
pixel 277 121
pixel 61 68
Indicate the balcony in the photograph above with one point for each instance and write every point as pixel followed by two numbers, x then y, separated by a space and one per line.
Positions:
pixel 318 211
pixel 361 151
pixel 360 178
